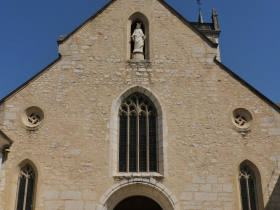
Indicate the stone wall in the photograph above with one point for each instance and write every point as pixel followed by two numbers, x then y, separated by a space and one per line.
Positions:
pixel 204 150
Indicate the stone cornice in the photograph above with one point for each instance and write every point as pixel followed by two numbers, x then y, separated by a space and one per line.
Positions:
pixel 5 142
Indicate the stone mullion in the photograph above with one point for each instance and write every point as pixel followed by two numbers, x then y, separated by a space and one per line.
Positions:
pixel 248 193
pixel 137 143
pixel 127 142
pixel 25 192
pixel 147 140
pixel 137 108
pixel 157 144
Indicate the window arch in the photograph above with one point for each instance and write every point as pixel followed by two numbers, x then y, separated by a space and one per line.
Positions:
pixel 138 17
pixel 26 185
pixel 250 186
pixel 248 189
pixel 137 135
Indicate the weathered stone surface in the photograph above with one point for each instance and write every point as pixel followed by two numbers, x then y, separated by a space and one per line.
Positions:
pixel 212 179
pixel 74 205
pixel 89 195
pixel 205 187
pixel 193 205
pixel 70 195
pixel 90 205
pixel 187 196
pixel 51 194
pixel 201 196
pixel 201 149
pixel 53 205
pixel 198 179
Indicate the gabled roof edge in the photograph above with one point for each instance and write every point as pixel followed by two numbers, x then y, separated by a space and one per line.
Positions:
pixel 84 23
pixel 247 85
pixel 29 81
pixel 184 19
pixel 112 1
pixel 6 137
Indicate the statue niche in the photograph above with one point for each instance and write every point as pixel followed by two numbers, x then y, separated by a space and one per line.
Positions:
pixel 138 38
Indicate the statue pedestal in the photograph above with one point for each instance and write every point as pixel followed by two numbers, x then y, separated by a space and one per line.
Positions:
pixel 138 56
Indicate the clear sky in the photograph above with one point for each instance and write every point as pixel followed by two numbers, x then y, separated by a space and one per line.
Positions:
pixel 249 41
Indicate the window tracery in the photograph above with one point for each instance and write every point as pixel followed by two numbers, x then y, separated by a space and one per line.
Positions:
pixel 248 189
pixel 137 135
pixel 34 118
pixel 240 120
pixel 26 183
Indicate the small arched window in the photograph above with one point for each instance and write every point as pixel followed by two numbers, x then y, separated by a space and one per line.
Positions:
pixel 248 189
pixel 25 193
pixel 137 135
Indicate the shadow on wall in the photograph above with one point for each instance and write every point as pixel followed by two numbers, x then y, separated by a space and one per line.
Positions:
pixel 274 196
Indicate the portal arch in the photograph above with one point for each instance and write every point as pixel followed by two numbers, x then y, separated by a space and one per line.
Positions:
pixel 128 188
pixel 138 203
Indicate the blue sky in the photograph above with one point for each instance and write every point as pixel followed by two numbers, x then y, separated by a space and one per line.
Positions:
pixel 249 41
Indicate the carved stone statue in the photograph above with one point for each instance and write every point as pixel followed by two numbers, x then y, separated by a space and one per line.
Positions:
pixel 138 37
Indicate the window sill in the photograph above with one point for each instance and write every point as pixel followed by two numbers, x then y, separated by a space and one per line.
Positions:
pixel 138 61
pixel 144 174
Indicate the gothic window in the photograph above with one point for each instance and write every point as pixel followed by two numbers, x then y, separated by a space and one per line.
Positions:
pixel 248 189
pixel 25 194
pixel 137 135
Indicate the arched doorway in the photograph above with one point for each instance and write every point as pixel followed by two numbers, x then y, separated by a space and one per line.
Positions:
pixel 138 203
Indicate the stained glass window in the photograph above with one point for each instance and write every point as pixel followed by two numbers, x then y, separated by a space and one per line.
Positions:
pixel 248 189
pixel 25 193
pixel 137 135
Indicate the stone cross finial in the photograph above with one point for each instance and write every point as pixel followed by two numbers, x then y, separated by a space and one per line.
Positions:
pixel 199 3
pixel 215 19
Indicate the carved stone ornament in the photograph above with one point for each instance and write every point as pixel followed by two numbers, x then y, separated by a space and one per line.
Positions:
pixel 139 40
pixel 242 119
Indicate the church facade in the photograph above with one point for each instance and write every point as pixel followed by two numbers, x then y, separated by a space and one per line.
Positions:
pixel 138 112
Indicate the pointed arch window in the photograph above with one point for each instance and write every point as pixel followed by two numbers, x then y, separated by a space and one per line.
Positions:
pixel 26 183
pixel 248 189
pixel 137 135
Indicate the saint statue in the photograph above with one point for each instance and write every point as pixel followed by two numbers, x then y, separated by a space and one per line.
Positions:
pixel 138 37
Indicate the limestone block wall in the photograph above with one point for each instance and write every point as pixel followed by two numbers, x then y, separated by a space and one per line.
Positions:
pixel 71 150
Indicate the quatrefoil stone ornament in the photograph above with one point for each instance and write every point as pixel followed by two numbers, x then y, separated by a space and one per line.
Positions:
pixel 240 120
pixel 34 119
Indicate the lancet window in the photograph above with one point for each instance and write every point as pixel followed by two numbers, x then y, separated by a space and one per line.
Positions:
pixel 248 189
pixel 25 194
pixel 137 135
